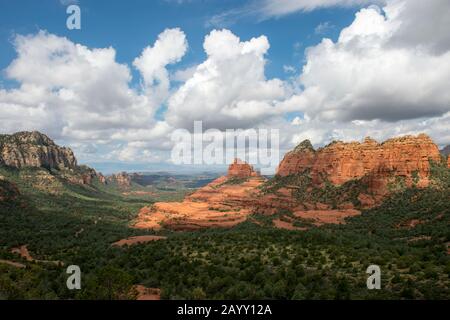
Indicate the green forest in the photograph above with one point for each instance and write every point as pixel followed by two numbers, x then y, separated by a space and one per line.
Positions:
pixel 77 225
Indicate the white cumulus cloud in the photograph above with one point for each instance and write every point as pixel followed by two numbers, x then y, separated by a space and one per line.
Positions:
pixel 366 75
pixel 229 88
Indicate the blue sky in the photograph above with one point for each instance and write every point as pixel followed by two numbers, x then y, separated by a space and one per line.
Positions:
pixel 137 71
pixel 130 25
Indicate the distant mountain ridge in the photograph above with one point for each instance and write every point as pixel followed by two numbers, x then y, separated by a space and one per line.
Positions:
pixel 445 151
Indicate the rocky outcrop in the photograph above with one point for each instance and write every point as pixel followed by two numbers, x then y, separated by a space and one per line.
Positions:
pixel 240 169
pixel 225 202
pixel 407 157
pixel 34 149
pixel 343 177
pixel 82 175
pixel 101 178
pixel 298 160
pixel 311 187
pixel 122 179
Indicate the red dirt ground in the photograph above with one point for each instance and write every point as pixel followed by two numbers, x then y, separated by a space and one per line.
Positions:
pixel 280 224
pixel 13 264
pixel 145 293
pixel 410 224
pixel 320 217
pixel 24 253
pixel 137 240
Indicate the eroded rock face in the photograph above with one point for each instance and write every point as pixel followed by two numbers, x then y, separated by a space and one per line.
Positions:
pixel 340 162
pixel 347 176
pixel 221 203
pixel 241 169
pixel 122 179
pixel 34 149
pixel 297 160
pixel 101 178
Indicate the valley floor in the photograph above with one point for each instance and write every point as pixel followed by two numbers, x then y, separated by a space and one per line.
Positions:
pixel 408 236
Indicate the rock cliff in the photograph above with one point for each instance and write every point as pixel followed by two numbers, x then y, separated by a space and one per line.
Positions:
pixel 34 149
pixel 225 202
pixel 122 179
pixel 339 162
pixel 240 169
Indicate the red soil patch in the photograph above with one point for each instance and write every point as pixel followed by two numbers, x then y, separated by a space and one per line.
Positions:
pixel 145 293
pixel 24 253
pixel 13 264
pixel 137 240
pixel 320 217
pixel 280 224
pixel 410 224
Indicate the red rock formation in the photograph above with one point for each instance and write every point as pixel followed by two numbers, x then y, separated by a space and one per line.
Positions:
pixel 373 165
pixel 240 169
pixel 298 160
pixel 221 203
pixel 122 179
pixel 340 162
pixel 101 178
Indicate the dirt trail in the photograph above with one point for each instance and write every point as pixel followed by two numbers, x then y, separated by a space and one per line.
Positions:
pixel 137 240
pixel 24 253
pixel 145 293
pixel 139 193
pixel 280 224
pixel 13 264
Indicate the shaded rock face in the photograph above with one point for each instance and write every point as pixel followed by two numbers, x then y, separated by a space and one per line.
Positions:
pixel 446 151
pixel 34 149
pixel 340 162
pixel 240 169
pixel 84 175
pixel 122 179
pixel 101 178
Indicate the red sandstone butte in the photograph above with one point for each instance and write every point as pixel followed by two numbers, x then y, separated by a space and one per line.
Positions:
pixel 240 169
pixel 341 161
pixel 221 203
